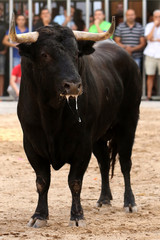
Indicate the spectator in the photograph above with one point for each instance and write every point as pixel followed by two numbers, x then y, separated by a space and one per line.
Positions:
pixel 91 20
pixel 3 51
pixel 65 20
pixel 20 28
pixel 152 51
pixel 36 19
pixel 1 14
pixel 100 25
pixel 15 80
pixel 130 36
pixel 45 19
pixel 119 13
pixel 79 22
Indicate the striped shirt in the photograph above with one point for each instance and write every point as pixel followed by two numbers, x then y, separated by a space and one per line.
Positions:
pixel 130 36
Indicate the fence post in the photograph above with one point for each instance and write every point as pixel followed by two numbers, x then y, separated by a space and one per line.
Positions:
pixel 106 10
pixel 87 13
pixel 30 15
pixel 125 7
pixel 11 2
pixel 144 21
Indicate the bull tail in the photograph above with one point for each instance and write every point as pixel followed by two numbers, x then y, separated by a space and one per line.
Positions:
pixel 112 153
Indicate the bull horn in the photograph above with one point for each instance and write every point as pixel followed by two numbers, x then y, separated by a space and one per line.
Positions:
pixel 96 36
pixel 21 38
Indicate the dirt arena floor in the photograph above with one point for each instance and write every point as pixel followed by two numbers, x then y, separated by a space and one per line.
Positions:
pixel 18 195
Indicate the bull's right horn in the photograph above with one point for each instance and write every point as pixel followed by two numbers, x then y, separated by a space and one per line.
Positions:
pixel 21 38
pixel 79 35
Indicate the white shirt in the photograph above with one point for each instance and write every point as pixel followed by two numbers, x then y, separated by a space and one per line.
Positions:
pixel 153 47
pixel 60 20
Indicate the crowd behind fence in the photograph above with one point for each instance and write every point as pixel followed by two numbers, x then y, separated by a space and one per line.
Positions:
pixel 76 22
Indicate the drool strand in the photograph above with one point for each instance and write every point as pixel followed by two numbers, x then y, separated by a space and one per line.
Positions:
pixel 79 119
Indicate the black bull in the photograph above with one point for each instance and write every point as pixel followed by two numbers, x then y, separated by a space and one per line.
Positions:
pixel 55 132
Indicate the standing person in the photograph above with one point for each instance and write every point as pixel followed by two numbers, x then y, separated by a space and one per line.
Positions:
pixel 152 51
pixel 15 80
pixel 91 20
pixel 119 13
pixel 130 36
pixel 20 28
pixel 78 20
pixel 100 25
pixel 3 51
pixel 65 20
pixel 36 19
pixel 45 19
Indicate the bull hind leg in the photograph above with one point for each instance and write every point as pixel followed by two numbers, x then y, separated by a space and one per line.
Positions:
pixel 125 140
pixel 42 170
pixel 100 151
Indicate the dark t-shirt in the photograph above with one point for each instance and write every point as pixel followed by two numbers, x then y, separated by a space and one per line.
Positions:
pixel 2 34
pixel 39 24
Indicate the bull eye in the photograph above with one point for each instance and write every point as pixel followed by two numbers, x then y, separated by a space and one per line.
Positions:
pixel 44 55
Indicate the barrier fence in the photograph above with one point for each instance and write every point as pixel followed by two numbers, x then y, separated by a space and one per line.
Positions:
pixel 142 8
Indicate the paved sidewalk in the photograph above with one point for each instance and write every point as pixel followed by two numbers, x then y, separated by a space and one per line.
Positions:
pixel 10 107
pixel 150 104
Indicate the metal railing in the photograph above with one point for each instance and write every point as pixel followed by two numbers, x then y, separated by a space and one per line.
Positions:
pixel 68 3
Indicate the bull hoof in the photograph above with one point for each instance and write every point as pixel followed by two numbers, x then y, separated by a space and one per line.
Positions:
pixel 103 203
pixel 77 223
pixel 82 223
pixel 37 223
pixel 131 209
pixel 72 223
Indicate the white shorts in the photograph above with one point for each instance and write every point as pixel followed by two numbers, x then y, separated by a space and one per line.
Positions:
pixel 151 65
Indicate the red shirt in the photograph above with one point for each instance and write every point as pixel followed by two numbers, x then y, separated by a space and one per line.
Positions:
pixel 16 71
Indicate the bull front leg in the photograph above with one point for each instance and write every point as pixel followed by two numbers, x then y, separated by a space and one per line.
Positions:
pixel 42 169
pixel 77 217
pixel 39 218
pixel 75 184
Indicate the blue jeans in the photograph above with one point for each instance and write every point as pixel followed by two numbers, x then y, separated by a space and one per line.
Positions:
pixel 138 61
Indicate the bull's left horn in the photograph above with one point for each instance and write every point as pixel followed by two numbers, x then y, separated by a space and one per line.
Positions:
pixel 96 36
pixel 21 38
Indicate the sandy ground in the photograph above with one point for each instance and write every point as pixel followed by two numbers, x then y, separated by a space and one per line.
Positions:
pixel 18 195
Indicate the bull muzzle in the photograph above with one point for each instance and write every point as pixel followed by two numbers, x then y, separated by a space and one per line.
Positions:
pixel 71 89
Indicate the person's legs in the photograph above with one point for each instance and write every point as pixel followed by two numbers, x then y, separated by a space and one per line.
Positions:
pixel 138 61
pixel 150 80
pixel 2 62
pixel 1 84
pixel 12 92
pixel 158 65
pixel 150 67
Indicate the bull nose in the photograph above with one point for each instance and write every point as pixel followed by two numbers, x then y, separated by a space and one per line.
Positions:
pixel 71 88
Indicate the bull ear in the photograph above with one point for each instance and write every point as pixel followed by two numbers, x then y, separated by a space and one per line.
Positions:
pixel 26 50
pixel 85 47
